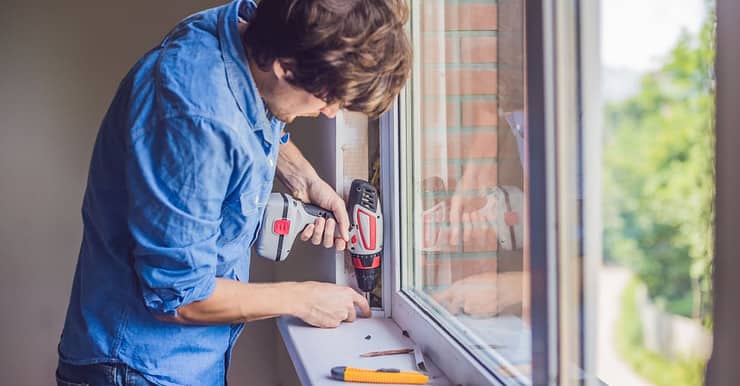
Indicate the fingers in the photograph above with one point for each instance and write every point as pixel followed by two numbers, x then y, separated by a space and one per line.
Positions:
pixel 318 231
pixel 444 296
pixel 361 303
pixel 329 323
pixel 307 232
pixel 467 227
pixel 480 308
pixel 455 211
pixel 329 233
pixel 328 305
pixel 322 232
pixel 479 237
pixel 454 305
pixel 351 314
pixel 340 213
pixel 448 299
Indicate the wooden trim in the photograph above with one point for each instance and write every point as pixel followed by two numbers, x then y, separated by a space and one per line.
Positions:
pixel 352 163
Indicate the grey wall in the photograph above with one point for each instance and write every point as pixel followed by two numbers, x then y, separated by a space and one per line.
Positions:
pixel 60 63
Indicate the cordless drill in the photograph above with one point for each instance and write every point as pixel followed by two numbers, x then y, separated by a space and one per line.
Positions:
pixel 285 218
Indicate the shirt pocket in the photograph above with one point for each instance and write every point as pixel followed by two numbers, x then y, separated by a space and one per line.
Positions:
pixel 254 200
pixel 242 218
pixel 253 207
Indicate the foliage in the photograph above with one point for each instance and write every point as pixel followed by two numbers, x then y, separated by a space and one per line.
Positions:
pixel 652 366
pixel 659 178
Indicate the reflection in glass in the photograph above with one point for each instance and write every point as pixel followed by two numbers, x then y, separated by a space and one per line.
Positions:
pixel 469 196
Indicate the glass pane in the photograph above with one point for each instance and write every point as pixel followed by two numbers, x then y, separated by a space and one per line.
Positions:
pixel 466 239
pixel 654 295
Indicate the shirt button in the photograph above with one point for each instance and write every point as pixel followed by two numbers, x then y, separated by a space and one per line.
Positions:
pixel 269 160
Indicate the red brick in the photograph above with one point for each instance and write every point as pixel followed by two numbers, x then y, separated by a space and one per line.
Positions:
pixel 431 16
pixel 436 270
pixel 453 111
pixel 471 16
pixel 431 117
pixel 479 113
pixel 432 81
pixel 470 82
pixel 459 145
pixel 458 82
pixel 431 50
pixel 478 49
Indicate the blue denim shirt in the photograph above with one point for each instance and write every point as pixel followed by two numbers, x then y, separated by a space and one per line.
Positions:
pixel 180 174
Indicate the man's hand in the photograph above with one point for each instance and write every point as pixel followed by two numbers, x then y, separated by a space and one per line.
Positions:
pixel 327 305
pixel 305 184
pixel 318 304
pixel 323 231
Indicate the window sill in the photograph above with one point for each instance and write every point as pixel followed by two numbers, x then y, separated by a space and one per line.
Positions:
pixel 314 351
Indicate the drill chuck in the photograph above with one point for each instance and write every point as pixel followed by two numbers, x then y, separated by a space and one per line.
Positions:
pixel 367 270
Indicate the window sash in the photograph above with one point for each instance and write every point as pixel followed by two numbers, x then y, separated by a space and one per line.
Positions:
pixel 459 364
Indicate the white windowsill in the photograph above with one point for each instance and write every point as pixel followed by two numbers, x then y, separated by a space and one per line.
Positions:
pixel 314 351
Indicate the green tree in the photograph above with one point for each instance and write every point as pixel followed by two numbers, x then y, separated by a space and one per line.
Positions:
pixel 659 177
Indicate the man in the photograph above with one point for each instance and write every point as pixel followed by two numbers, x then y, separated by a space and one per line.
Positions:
pixel 182 168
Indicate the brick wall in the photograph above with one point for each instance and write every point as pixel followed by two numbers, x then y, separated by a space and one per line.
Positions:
pixel 471 54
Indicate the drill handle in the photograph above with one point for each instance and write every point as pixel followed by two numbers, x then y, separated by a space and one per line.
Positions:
pixel 318 211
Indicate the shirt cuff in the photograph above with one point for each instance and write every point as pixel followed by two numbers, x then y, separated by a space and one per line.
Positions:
pixel 165 303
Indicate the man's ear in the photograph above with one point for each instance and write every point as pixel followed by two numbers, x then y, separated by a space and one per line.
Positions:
pixel 282 69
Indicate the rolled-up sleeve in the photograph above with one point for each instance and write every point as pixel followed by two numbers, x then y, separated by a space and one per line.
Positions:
pixel 177 176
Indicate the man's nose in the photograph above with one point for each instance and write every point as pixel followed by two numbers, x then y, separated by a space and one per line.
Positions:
pixel 331 110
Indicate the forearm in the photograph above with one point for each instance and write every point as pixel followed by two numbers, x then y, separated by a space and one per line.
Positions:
pixel 237 302
pixel 294 171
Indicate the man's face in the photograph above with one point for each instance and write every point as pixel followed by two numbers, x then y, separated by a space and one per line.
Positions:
pixel 293 102
pixel 287 102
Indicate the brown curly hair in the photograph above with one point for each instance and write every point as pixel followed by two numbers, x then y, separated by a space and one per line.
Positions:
pixel 352 52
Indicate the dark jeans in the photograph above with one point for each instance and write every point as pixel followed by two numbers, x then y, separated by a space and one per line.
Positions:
pixel 102 374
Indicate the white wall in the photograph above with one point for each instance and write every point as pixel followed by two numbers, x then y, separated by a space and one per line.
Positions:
pixel 60 63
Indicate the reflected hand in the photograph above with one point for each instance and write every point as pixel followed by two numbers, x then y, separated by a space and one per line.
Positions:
pixel 482 295
pixel 466 216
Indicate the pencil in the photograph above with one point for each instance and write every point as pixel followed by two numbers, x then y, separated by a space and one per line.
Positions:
pixel 387 352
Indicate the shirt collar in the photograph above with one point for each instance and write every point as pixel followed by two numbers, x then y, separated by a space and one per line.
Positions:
pixel 238 75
